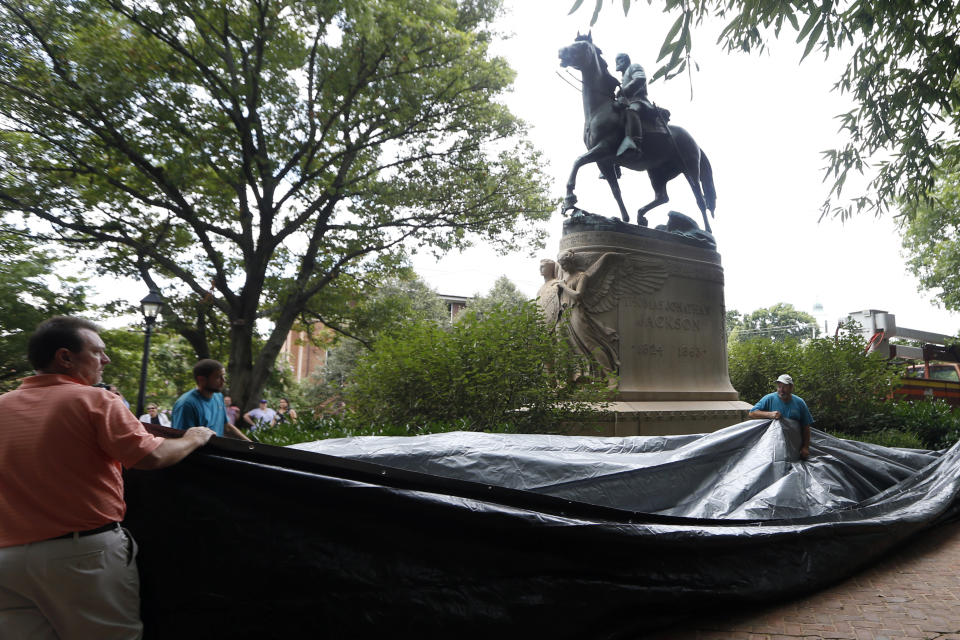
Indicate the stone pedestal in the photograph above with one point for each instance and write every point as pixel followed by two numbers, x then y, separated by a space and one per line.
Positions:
pixel 672 339
pixel 663 418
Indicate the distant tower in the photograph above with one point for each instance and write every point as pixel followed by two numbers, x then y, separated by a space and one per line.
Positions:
pixel 821 317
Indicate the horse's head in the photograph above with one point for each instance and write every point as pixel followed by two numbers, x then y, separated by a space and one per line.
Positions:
pixel 580 55
pixel 584 56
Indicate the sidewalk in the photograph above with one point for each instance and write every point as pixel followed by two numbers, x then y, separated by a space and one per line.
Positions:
pixel 915 593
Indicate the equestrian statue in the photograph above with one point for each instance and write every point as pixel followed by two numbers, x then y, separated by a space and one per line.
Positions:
pixel 627 130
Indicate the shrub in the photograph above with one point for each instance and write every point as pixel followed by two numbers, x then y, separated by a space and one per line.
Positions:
pixel 847 391
pixel 929 424
pixel 844 389
pixel 309 428
pixel 888 438
pixel 502 371
pixel 755 364
pixel 935 422
pixel 305 429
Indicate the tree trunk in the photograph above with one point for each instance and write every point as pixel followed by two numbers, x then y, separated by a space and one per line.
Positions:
pixel 240 381
pixel 246 377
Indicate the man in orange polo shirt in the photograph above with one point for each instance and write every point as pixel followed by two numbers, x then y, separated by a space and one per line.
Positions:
pixel 67 569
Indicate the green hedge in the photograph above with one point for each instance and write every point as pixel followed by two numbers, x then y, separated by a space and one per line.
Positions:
pixel 844 388
pixel 502 370
pixel 847 391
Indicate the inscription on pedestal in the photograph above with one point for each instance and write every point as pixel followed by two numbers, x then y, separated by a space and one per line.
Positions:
pixel 649 350
pixel 667 315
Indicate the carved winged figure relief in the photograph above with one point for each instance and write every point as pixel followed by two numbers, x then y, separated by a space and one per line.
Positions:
pixel 590 291
pixel 548 297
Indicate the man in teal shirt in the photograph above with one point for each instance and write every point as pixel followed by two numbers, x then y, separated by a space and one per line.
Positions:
pixel 783 404
pixel 203 406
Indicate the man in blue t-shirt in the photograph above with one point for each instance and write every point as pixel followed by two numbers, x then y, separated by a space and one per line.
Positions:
pixel 783 404
pixel 203 406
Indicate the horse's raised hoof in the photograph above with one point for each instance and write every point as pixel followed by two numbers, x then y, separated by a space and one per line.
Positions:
pixel 642 221
pixel 569 201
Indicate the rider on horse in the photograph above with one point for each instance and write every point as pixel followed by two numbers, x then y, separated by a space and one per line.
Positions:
pixel 670 151
pixel 633 96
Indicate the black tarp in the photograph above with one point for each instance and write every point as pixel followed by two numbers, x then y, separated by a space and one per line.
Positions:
pixel 468 535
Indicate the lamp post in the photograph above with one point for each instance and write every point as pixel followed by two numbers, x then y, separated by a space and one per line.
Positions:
pixel 150 307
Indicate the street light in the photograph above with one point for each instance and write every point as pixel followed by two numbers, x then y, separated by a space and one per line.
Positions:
pixel 150 307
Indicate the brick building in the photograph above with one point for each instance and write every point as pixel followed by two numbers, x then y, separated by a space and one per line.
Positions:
pixel 305 358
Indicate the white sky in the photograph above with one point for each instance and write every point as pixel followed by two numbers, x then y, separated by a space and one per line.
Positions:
pixel 762 120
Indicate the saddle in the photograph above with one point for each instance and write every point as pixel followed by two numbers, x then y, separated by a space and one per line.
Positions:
pixel 652 126
pixel 648 121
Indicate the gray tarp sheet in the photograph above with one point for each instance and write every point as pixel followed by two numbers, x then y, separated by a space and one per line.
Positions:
pixel 750 471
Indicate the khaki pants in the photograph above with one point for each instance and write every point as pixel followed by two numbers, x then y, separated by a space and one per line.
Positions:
pixel 74 588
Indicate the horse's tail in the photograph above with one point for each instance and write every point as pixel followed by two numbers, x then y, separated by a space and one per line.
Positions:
pixel 706 182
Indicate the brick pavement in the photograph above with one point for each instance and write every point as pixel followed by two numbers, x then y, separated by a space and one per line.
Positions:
pixel 914 593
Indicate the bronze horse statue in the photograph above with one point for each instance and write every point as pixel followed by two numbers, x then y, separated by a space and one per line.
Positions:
pixel 664 155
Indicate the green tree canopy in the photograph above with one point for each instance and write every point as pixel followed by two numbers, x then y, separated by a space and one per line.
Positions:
pixel 248 155
pixel 169 371
pixel 381 305
pixel 31 290
pixel 503 293
pixel 931 238
pixel 778 322
pixel 732 319
pixel 904 57
pixel 388 307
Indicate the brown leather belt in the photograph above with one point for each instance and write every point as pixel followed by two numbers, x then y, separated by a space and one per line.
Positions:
pixel 110 526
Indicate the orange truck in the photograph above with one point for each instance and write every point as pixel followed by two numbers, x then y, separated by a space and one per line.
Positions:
pixel 930 381
pixel 937 377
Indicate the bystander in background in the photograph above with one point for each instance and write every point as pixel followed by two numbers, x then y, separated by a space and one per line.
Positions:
pixel 115 390
pixel 233 411
pixel 155 416
pixel 285 414
pixel 204 405
pixel 260 417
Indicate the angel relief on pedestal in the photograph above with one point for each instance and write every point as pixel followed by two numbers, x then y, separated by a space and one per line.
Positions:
pixel 548 297
pixel 584 292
